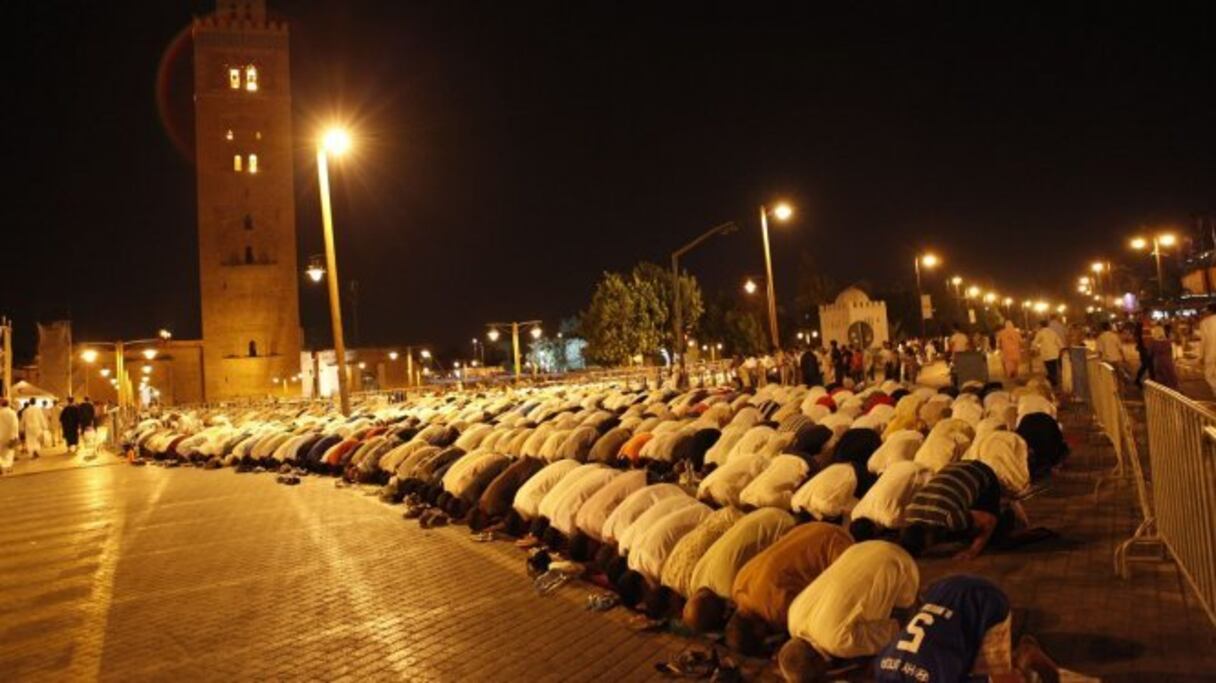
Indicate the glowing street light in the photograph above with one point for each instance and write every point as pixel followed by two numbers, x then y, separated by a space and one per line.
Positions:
pixel 164 334
pixel 315 269
pixel 1165 239
pixel 149 354
pixel 393 355
pixel 782 212
pixel 88 355
pixel 105 372
pixel 750 286
pixel 147 369
pixel 973 292
pixel 535 331
pixel 425 354
pixel 335 141
pixel 929 261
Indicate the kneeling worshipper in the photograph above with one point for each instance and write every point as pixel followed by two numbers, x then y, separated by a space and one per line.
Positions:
pixel 846 612
pixel 594 473
pixel 960 502
pixel 525 507
pixel 961 616
pixel 591 517
pixel 723 486
pixel 946 443
pixel 882 508
pixel 649 552
pixel 769 582
pixel 495 502
pixel 676 579
pixel 563 512
pixel 714 576
pixel 617 527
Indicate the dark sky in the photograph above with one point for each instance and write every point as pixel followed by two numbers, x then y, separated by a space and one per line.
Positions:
pixel 510 151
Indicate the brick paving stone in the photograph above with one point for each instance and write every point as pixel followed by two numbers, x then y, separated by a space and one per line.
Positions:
pixel 120 573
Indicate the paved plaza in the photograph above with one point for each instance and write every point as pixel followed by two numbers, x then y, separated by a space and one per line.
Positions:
pixel 125 573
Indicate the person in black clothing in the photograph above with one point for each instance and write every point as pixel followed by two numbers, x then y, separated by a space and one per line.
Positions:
pixel 1146 357
pixel 840 364
pixel 69 419
pixel 811 374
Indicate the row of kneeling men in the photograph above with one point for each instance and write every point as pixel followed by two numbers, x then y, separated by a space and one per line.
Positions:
pixel 695 504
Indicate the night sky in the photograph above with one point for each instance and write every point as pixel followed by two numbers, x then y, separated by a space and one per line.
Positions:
pixel 511 151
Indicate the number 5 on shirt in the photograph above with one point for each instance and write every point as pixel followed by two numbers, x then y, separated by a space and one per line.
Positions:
pixel 916 631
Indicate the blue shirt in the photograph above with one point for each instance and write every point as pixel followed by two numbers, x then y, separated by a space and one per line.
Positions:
pixel 940 643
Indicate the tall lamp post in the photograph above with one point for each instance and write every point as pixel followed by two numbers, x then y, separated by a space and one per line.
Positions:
pixel 335 141
pixel 781 212
pixel 494 334
pixel 929 261
pixel 677 319
pixel 1165 239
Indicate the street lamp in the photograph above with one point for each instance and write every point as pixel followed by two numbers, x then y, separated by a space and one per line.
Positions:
pixel 334 141
pixel 781 212
pixel 677 319
pixel 929 261
pixel 164 334
pixel 316 268
pixel 149 354
pixel 1166 239
pixel 493 333
pixel 750 286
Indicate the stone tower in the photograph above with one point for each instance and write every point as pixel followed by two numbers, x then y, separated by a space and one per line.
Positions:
pixel 246 209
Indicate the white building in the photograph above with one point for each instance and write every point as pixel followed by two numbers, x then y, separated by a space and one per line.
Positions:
pixel 854 319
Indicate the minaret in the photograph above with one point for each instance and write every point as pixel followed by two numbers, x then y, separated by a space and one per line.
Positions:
pixel 246 209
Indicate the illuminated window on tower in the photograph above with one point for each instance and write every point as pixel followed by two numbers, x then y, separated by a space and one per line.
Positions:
pixel 251 78
pixel 234 79
pixel 253 163
pixel 236 163
pixel 228 136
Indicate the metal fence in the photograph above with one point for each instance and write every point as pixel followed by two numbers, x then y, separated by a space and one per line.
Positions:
pixel 1182 459
pixel 1177 494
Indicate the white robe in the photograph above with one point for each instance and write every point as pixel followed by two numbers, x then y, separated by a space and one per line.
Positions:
pixel 9 431
pixel 33 422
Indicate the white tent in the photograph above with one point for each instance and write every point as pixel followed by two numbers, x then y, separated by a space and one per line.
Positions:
pixel 24 391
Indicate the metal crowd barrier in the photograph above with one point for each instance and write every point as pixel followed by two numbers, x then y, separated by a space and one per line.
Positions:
pixel 1101 393
pixel 1182 460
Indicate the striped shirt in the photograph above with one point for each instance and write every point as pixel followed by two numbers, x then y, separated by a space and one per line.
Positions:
pixel 947 500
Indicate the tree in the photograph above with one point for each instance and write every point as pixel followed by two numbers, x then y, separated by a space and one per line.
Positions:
pixel 630 315
pixel 692 305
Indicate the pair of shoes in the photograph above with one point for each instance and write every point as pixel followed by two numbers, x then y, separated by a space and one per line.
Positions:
pixel 414 511
pixel 601 602
pixel 483 537
pixel 568 567
pixel 288 479
pixel 528 541
pixel 691 663
pixel 341 484
pixel 433 518
pixel 547 583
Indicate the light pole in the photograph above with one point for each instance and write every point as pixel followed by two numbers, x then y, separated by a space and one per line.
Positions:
pixel 677 319
pixel 1165 239
pixel 335 141
pixel 781 212
pixel 493 335
pixel 930 261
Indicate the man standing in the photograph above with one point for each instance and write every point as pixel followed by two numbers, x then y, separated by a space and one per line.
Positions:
pixel 958 341
pixel 69 420
pixel 809 364
pixel 1049 345
pixel 1009 341
pixel 1207 346
pixel 33 423
pixel 1110 348
pixel 88 421
pixel 8 436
